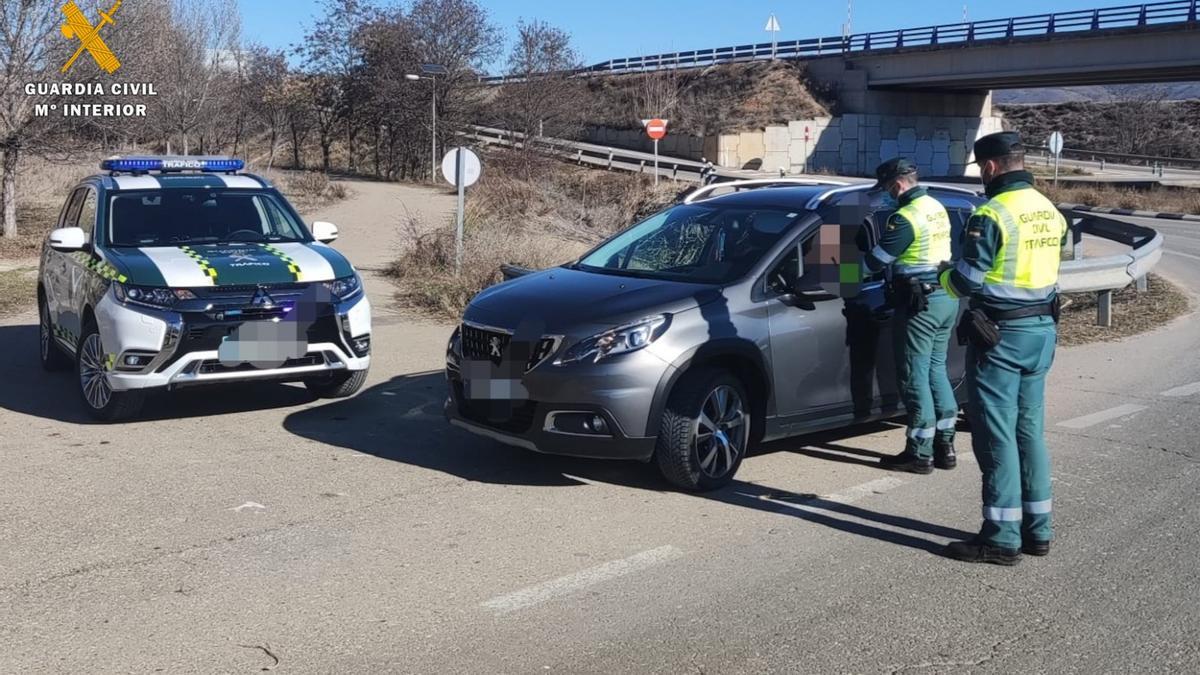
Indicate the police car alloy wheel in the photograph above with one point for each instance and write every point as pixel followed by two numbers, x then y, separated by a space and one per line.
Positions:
pixel 705 430
pixel 92 367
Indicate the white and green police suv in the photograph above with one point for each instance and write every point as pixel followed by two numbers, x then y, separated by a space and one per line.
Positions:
pixel 168 272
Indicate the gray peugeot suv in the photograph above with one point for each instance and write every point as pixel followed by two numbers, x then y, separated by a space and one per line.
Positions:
pixel 721 322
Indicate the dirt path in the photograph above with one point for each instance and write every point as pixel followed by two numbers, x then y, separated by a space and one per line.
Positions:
pixel 372 227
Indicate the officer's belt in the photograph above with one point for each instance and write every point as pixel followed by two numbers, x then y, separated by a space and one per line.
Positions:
pixel 1041 309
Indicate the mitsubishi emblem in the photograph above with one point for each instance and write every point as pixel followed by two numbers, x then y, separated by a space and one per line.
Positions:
pixel 262 299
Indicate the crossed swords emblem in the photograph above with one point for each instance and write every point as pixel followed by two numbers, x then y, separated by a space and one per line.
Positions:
pixel 78 26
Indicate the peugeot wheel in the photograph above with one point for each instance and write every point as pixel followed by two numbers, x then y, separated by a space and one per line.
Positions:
pixel 705 431
pixel 52 356
pixel 92 366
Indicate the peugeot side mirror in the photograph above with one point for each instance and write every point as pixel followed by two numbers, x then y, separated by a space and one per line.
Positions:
pixel 68 239
pixel 324 232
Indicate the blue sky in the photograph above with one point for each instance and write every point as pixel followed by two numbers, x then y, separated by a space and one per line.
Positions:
pixel 615 28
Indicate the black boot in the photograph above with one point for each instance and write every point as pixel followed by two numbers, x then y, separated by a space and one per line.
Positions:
pixel 943 454
pixel 908 462
pixel 975 551
pixel 1035 547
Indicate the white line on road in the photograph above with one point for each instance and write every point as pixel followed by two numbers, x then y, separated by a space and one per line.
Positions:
pixel 571 583
pixel 1185 255
pixel 247 505
pixel 1102 416
pixel 857 492
pixel 1185 390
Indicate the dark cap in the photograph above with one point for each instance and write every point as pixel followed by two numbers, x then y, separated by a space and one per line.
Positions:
pixel 997 145
pixel 893 169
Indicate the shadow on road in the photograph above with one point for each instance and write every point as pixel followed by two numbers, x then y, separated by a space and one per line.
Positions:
pixel 29 390
pixel 401 420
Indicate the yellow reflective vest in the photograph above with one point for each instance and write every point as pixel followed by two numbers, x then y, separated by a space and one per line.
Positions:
pixel 931 236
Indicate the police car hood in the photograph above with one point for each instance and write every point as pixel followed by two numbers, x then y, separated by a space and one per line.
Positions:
pixel 228 264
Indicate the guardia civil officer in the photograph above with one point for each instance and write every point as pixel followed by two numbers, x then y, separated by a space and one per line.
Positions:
pixel 914 242
pixel 1009 269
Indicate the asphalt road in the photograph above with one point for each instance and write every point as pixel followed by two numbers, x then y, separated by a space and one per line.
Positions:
pixel 250 528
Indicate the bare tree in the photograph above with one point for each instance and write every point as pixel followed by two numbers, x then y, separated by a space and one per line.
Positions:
pixel 544 99
pixel 459 35
pixel 25 29
pixel 333 54
pixel 193 56
pixel 268 73
pixel 659 93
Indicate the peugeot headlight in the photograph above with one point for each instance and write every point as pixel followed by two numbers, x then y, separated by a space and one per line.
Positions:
pixel 345 287
pixel 151 296
pixel 620 340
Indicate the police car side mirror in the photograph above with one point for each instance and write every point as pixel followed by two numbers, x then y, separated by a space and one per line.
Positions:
pixel 324 232
pixel 68 239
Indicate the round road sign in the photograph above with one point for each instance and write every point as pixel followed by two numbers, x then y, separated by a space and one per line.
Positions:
pixel 656 129
pixel 1055 143
pixel 471 167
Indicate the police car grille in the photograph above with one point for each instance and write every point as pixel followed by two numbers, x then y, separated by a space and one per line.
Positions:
pixel 209 367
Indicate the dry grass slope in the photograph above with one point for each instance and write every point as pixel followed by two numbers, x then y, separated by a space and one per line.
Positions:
pixel 545 219
pixel 1168 200
pixel 1133 312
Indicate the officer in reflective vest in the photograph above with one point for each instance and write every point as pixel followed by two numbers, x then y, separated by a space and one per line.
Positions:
pixel 914 242
pixel 1009 269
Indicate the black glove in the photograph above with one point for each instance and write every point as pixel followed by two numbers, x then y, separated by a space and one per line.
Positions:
pixel 917 302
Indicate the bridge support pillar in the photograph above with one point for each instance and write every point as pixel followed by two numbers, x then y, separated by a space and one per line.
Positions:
pixel 936 129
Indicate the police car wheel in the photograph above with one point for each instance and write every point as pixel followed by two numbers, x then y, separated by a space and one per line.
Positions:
pixel 52 356
pixel 342 385
pixel 705 430
pixel 92 366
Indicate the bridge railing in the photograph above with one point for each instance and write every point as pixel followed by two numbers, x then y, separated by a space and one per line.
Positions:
pixel 1125 17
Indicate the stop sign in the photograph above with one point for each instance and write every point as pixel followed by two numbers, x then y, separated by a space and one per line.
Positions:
pixel 656 128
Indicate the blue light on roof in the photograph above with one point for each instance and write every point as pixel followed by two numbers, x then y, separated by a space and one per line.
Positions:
pixel 164 164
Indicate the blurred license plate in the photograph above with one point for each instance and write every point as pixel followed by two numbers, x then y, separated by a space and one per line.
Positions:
pixel 265 344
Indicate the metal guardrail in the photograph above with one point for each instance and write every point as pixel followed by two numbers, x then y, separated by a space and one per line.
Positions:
pixel 601 155
pixel 1102 275
pixel 1081 154
pixel 1127 17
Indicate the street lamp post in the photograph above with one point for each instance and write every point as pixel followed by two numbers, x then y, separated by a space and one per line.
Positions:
pixel 430 72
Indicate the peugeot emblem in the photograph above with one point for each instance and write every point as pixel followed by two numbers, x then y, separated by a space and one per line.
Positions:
pixel 495 345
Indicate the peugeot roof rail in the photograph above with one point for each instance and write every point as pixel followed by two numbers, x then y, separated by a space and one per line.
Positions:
pixel 815 202
pixel 755 183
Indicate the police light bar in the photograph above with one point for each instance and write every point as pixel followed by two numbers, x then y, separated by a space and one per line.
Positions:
pixel 164 164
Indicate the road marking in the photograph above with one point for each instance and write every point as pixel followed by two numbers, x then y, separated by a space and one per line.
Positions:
pixel 1102 416
pixel 247 505
pixel 572 583
pixel 857 492
pixel 1185 390
pixel 1185 255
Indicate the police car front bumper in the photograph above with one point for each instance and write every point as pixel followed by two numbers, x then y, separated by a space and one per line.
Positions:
pixel 150 348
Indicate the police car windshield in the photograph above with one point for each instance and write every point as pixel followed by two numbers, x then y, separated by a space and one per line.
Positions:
pixel 178 217
pixel 693 242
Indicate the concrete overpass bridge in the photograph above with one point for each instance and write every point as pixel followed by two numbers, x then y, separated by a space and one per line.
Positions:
pixel 927 91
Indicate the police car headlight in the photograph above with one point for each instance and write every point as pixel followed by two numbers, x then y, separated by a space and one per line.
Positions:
pixel 149 296
pixel 345 288
pixel 623 339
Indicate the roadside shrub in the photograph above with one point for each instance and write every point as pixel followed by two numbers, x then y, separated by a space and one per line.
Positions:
pixel 534 216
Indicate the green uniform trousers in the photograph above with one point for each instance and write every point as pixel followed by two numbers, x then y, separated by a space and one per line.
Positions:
pixel 1006 407
pixel 921 341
